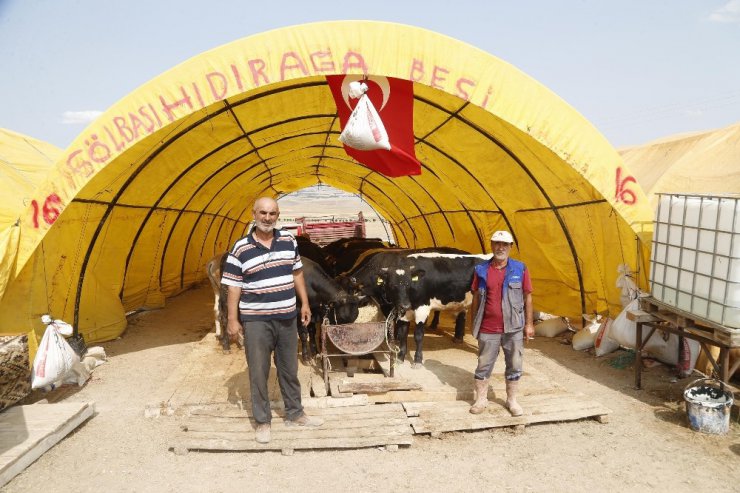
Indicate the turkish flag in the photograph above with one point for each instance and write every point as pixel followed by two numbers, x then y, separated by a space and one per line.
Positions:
pixel 394 101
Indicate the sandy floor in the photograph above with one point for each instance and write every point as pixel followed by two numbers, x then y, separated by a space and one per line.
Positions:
pixel 646 445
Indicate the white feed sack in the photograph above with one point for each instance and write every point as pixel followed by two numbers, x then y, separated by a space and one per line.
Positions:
pixel 551 327
pixel 584 338
pixel 54 359
pixel 364 130
pixel 604 344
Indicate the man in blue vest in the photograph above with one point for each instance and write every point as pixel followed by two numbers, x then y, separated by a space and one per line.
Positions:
pixel 502 303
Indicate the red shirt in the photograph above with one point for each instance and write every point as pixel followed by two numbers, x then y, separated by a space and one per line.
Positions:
pixel 493 316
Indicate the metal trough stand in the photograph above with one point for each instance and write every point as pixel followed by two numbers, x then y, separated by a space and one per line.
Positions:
pixel 357 339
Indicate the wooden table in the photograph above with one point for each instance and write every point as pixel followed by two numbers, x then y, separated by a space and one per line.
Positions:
pixel 657 315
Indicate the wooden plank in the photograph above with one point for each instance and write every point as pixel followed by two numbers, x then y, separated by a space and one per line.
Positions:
pixel 245 425
pixel 237 410
pixel 450 394
pixel 393 429
pixel 641 316
pixel 456 417
pixel 385 385
pixel 328 443
pixel 731 338
pixel 45 425
pixel 324 402
pixel 362 377
pixel 324 412
pixel 334 381
pixel 414 408
pixel 305 374
pixel 328 414
pixel 318 386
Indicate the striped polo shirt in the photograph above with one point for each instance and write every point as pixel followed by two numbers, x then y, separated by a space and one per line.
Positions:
pixel 265 276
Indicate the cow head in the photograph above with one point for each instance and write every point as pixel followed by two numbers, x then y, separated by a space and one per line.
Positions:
pixel 372 284
pixel 402 286
pixel 345 309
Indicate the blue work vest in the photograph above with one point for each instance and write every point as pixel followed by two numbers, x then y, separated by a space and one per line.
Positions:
pixel 512 295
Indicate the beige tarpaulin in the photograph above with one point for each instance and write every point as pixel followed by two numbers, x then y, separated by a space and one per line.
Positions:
pixel 166 177
pixel 704 162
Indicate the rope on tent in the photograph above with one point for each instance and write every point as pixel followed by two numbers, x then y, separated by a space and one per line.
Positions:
pixel 638 256
pixel 596 254
pixel 46 279
pixel 619 236
pixel 67 298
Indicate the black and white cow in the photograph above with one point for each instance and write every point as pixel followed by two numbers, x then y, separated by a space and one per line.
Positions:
pixel 417 283
pixel 326 299
pixel 426 282
pixel 343 254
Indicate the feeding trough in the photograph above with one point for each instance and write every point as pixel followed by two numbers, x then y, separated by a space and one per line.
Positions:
pixel 357 339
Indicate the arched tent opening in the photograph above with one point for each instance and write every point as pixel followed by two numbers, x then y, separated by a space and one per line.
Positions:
pixel 167 176
pixel 326 203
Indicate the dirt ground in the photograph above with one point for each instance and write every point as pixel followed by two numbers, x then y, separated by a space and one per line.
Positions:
pixel 646 445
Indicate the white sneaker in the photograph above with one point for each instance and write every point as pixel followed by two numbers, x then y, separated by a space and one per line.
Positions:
pixel 262 433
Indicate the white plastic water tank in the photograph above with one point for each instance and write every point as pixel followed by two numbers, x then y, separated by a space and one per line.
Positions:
pixel 695 263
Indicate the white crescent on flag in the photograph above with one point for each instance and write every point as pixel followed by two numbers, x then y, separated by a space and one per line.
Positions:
pixel 382 82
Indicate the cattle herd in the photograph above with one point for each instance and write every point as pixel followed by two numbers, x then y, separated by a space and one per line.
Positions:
pixel 350 273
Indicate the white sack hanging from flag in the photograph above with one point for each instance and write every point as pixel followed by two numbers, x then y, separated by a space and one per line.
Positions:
pixel 364 130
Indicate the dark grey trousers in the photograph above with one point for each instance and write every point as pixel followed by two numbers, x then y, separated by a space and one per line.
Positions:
pixel 261 338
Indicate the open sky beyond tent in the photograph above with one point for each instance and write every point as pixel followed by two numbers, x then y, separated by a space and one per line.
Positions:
pixel 638 70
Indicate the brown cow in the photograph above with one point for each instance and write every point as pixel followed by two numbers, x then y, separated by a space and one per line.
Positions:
pixel 214 267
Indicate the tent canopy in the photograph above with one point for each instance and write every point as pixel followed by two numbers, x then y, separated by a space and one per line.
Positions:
pixel 702 162
pixel 24 164
pixel 166 177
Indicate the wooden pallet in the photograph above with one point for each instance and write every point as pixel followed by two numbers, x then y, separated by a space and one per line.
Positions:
pixel 438 417
pixel 684 320
pixel 26 432
pixel 362 410
pixel 344 427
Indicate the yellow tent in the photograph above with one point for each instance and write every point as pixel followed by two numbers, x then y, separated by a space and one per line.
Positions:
pixel 24 164
pixel 166 177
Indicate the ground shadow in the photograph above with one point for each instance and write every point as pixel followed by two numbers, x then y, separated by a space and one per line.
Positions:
pixel 458 378
pixel 238 389
pixel 661 385
pixel 676 416
pixel 57 394
pixel 187 317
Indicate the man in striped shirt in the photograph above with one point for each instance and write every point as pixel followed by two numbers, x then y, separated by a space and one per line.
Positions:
pixel 264 273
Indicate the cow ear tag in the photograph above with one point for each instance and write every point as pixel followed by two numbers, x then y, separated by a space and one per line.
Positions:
pixel 379 281
pixel 415 278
